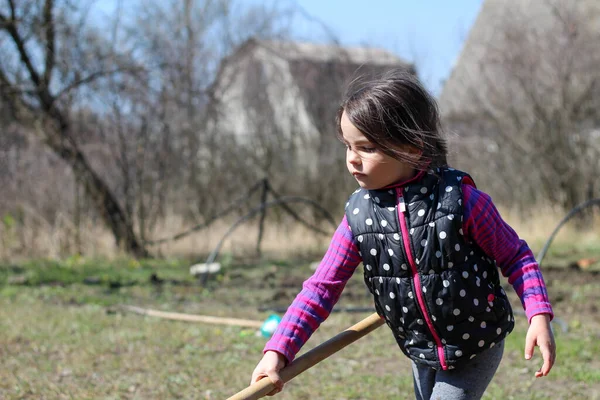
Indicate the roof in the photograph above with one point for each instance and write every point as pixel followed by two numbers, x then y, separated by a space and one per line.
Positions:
pixel 296 51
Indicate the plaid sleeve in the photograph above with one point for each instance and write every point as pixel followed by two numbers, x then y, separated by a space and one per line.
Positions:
pixel 318 295
pixel 484 226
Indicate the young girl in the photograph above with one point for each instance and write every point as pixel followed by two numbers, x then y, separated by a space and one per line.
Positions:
pixel 431 245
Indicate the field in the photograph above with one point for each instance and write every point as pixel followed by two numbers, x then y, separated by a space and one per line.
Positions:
pixel 63 338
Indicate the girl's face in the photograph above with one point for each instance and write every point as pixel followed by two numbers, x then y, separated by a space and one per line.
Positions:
pixel 371 168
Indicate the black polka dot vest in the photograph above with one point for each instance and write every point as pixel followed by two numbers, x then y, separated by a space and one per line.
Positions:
pixel 439 293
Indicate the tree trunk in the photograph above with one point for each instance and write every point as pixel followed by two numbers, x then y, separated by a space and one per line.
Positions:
pixel 61 142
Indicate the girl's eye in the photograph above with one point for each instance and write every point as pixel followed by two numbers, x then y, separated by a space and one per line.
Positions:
pixel 361 149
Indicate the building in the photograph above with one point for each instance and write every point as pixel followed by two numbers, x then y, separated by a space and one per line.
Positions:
pixel 286 93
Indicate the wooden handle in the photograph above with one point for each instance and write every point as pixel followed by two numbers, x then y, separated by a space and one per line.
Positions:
pixel 194 318
pixel 264 386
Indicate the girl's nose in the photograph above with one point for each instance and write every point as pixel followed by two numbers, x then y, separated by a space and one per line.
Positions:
pixel 353 158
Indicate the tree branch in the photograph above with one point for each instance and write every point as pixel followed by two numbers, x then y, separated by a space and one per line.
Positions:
pixel 3 21
pixel 93 76
pixel 587 94
pixel 11 28
pixel 13 12
pixel 50 42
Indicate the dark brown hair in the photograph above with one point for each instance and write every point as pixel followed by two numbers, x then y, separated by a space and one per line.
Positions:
pixel 394 111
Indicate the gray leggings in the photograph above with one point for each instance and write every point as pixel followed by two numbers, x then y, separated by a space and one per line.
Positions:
pixel 465 383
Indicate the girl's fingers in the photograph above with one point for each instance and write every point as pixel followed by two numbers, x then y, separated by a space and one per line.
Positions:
pixel 529 346
pixel 548 355
pixel 276 379
pixel 257 377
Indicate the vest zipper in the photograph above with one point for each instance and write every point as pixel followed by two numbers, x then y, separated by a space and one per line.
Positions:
pixel 416 278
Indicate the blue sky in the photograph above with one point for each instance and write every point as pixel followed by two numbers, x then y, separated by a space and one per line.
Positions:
pixel 428 32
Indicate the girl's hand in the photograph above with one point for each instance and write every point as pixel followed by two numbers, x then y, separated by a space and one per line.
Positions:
pixel 540 334
pixel 269 366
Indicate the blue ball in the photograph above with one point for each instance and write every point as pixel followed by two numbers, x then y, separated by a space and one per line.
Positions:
pixel 270 324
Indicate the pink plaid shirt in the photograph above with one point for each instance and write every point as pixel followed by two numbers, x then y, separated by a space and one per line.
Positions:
pixel 482 224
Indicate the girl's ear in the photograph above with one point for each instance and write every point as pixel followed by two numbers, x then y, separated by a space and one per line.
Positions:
pixel 412 152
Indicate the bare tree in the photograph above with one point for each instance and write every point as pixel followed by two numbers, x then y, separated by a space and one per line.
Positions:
pixel 48 63
pixel 532 127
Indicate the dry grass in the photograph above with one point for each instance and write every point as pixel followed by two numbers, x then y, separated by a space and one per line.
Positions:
pixel 57 240
pixel 287 238
pixel 537 226
pixel 37 238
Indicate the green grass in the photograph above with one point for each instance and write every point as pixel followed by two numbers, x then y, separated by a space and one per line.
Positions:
pixel 119 272
pixel 562 254
pixel 59 338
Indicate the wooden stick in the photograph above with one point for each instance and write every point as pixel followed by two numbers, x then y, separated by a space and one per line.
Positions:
pixel 194 318
pixel 264 386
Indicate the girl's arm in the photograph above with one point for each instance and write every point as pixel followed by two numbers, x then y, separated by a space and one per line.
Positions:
pixel 318 296
pixel 484 226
